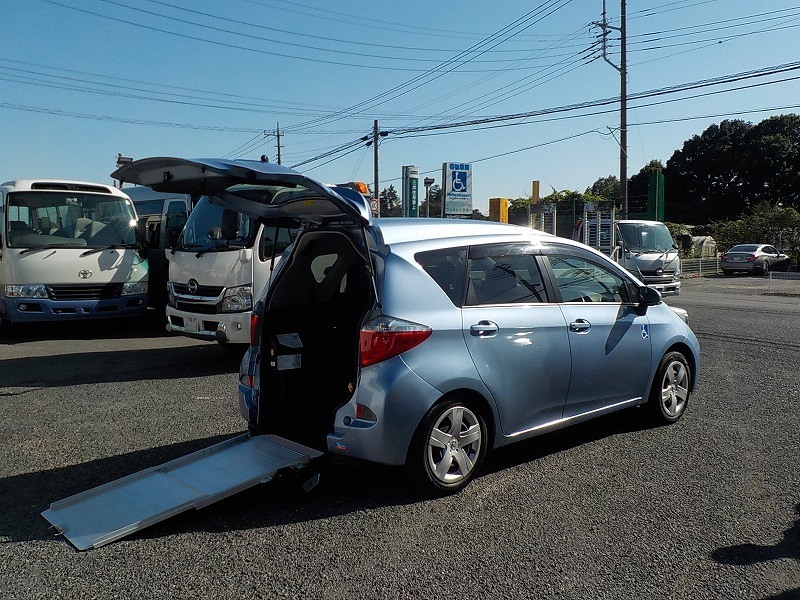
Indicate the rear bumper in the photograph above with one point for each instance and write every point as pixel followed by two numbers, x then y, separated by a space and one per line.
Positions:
pixel 32 310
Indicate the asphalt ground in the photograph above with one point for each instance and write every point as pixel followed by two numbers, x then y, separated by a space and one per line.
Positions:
pixel 706 508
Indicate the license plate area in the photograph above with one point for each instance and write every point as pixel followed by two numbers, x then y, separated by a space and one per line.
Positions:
pixel 191 324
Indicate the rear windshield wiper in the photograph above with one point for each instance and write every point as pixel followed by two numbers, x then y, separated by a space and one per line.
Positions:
pixel 109 247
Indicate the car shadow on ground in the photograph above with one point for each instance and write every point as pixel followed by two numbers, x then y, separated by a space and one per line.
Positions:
pixel 117 366
pixel 346 486
pixel 752 554
pixel 150 325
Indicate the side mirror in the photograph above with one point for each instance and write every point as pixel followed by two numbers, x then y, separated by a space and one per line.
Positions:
pixel 230 224
pixel 647 297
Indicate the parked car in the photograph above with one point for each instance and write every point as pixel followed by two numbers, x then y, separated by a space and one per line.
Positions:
pixel 428 342
pixel 754 258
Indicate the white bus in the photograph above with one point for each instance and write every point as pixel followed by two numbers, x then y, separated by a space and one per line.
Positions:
pixel 68 250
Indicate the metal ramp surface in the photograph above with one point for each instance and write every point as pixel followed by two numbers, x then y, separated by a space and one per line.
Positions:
pixel 113 510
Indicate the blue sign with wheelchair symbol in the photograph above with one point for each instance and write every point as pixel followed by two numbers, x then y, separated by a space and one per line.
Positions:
pixel 645 332
pixel 459 181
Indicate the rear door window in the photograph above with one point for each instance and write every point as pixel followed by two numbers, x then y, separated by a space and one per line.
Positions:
pixel 504 274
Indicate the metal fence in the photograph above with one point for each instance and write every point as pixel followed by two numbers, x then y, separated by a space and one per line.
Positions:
pixel 698 267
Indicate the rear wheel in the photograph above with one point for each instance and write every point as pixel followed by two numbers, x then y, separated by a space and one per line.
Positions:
pixel 765 268
pixel 448 447
pixel 669 394
pixel 727 272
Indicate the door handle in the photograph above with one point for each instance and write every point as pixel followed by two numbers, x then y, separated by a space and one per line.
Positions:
pixel 580 326
pixel 484 329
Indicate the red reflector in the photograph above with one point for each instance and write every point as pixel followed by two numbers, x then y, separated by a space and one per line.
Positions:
pixel 385 337
pixel 255 320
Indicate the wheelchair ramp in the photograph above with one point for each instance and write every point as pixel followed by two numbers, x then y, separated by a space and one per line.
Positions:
pixel 113 510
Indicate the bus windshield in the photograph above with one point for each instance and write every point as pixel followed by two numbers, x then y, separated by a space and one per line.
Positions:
pixel 39 219
pixel 646 237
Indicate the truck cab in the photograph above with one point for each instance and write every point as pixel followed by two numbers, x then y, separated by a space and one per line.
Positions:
pixel 643 247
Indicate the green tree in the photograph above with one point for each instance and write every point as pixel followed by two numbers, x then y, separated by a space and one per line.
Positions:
pixel 732 167
pixel 435 201
pixel 390 203
pixel 605 187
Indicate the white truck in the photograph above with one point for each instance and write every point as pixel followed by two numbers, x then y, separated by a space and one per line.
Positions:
pixel 68 251
pixel 645 248
pixel 222 260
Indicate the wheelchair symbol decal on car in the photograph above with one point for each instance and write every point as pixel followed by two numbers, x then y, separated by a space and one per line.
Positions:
pixel 645 331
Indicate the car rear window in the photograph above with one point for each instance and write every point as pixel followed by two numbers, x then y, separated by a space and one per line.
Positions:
pixel 744 248
pixel 446 267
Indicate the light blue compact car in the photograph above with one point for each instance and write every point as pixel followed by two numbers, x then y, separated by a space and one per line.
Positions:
pixel 428 342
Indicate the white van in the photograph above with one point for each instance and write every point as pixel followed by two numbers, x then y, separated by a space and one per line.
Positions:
pixel 68 250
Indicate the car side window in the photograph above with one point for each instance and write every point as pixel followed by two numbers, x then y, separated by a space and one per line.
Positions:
pixel 446 267
pixel 581 280
pixel 504 274
pixel 770 250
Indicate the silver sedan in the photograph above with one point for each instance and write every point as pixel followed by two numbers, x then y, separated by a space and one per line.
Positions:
pixel 754 258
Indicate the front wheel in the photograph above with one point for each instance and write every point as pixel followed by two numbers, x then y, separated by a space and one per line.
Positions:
pixel 670 392
pixel 448 447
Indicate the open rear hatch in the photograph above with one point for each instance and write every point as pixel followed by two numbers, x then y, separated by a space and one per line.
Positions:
pixel 212 176
pixel 111 511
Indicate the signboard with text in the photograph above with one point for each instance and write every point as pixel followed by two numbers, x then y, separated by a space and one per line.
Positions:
pixel 410 191
pixel 457 184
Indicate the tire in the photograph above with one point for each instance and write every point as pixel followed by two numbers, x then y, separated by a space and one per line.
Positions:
pixel 765 268
pixel 727 272
pixel 448 447
pixel 669 394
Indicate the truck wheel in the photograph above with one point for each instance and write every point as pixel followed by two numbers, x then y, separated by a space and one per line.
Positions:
pixel 669 393
pixel 448 448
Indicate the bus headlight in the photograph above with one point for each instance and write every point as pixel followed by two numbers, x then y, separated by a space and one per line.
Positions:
pixel 237 299
pixel 27 290
pixel 134 287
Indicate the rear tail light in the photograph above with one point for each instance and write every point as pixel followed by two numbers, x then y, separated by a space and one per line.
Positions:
pixel 751 257
pixel 385 337
pixel 724 257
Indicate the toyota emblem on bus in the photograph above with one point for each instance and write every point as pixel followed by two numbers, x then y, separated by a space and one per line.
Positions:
pixel 192 286
pixel 84 273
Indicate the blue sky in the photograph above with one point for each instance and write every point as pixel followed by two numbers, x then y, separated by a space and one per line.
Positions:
pixel 83 80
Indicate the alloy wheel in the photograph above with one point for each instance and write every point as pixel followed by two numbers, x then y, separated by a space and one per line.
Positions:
pixel 454 445
pixel 674 389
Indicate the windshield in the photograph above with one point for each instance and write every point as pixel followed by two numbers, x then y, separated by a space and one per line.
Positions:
pixel 149 207
pixel 39 219
pixel 205 226
pixel 646 237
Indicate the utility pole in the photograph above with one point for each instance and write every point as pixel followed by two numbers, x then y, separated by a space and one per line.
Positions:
pixel 375 151
pixel 623 96
pixel 278 135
